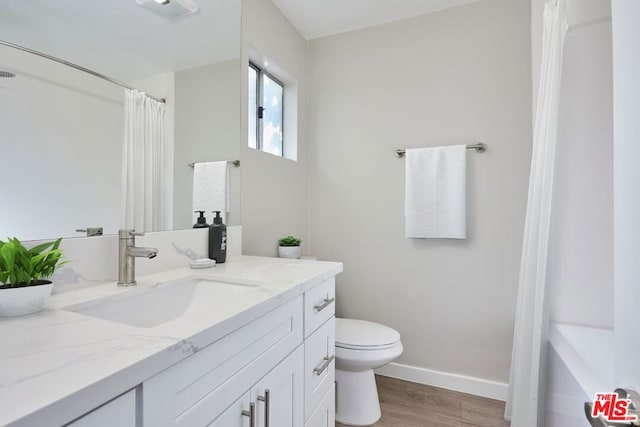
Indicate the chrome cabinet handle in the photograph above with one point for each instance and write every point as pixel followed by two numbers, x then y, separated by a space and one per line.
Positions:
pixel 320 369
pixel 324 305
pixel 266 400
pixel 251 413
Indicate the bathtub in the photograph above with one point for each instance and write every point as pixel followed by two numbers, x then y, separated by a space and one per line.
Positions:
pixel 580 363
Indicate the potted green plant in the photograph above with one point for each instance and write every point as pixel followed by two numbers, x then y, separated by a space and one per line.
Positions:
pixel 289 247
pixel 24 288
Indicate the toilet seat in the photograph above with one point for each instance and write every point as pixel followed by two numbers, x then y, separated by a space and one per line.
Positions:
pixel 362 335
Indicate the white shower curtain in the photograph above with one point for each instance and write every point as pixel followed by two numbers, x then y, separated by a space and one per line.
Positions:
pixel 143 164
pixel 531 310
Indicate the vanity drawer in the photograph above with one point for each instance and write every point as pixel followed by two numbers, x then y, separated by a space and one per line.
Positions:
pixel 195 391
pixel 325 413
pixel 319 305
pixel 319 365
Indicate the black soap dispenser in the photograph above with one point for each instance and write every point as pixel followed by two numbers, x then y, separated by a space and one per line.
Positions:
pixel 218 239
pixel 202 221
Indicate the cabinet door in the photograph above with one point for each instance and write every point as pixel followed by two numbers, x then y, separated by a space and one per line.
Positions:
pixel 194 392
pixel 236 415
pixel 279 395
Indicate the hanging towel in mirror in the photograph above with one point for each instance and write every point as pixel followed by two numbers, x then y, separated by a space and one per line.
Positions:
pixel 211 188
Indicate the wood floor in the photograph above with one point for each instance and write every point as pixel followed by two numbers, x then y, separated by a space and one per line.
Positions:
pixel 406 404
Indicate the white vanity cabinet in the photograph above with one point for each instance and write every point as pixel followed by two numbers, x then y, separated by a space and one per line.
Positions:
pixel 234 415
pixel 325 414
pixel 264 374
pixel 120 412
pixel 198 390
pixel 274 401
pixel 319 369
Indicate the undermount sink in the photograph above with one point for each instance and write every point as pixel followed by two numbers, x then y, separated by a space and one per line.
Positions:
pixel 160 303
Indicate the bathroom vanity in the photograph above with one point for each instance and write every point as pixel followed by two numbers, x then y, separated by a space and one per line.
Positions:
pixel 249 343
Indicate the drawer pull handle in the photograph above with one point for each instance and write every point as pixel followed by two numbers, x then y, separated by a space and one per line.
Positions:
pixel 251 413
pixel 327 302
pixel 266 400
pixel 327 361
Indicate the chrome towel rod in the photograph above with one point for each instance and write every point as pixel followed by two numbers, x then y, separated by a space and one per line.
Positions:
pixel 76 66
pixel 479 147
pixel 234 163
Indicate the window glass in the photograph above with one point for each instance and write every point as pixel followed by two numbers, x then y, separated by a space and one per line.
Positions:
pixel 272 115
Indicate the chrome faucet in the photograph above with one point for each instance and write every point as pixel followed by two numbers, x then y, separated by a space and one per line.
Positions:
pixel 127 256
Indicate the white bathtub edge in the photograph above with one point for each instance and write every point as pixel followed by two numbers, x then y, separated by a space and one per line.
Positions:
pixel 587 371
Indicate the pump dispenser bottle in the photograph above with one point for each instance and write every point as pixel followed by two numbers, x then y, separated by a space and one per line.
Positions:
pixel 202 221
pixel 218 239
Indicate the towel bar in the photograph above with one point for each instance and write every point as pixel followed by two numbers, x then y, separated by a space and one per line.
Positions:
pixel 234 163
pixel 479 147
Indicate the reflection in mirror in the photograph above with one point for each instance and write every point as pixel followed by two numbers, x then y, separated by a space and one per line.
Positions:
pixel 61 130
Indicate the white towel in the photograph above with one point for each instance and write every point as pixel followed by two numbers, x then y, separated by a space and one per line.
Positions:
pixel 435 192
pixel 211 189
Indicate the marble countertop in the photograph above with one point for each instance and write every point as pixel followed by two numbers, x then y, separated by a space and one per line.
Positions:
pixel 56 365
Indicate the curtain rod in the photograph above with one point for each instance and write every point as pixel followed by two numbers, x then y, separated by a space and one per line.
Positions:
pixel 77 67
pixel 479 147
pixel 235 163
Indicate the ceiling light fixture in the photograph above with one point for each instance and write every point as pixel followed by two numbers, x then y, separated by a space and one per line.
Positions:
pixel 171 10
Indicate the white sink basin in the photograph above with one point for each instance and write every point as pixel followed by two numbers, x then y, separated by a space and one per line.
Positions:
pixel 160 303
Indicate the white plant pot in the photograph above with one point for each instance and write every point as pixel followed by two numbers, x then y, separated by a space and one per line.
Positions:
pixel 289 252
pixel 24 300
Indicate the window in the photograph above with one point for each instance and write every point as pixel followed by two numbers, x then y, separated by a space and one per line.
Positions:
pixel 266 111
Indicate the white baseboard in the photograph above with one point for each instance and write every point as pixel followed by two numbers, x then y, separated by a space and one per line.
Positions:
pixel 455 382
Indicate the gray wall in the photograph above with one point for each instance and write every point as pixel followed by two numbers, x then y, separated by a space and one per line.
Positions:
pixel 207 128
pixel 60 149
pixel 274 189
pixel 453 77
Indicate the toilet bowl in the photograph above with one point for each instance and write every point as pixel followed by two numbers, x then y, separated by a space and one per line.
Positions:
pixel 361 347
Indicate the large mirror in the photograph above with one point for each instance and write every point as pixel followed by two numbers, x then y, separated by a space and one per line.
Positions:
pixel 61 130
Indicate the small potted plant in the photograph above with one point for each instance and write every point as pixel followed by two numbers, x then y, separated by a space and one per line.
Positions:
pixel 24 288
pixel 289 247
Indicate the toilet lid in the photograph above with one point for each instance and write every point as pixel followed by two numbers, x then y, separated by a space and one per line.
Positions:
pixel 352 333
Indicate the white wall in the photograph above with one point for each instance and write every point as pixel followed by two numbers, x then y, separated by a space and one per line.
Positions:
pixel 274 189
pixel 580 275
pixel 207 129
pixel 60 146
pixel 454 77
pixel 626 107
pixel 580 12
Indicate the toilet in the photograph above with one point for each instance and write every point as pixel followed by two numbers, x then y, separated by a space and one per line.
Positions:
pixel 361 347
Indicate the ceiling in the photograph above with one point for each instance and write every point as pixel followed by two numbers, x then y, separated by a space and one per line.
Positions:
pixel 319 18
pixel 120 39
